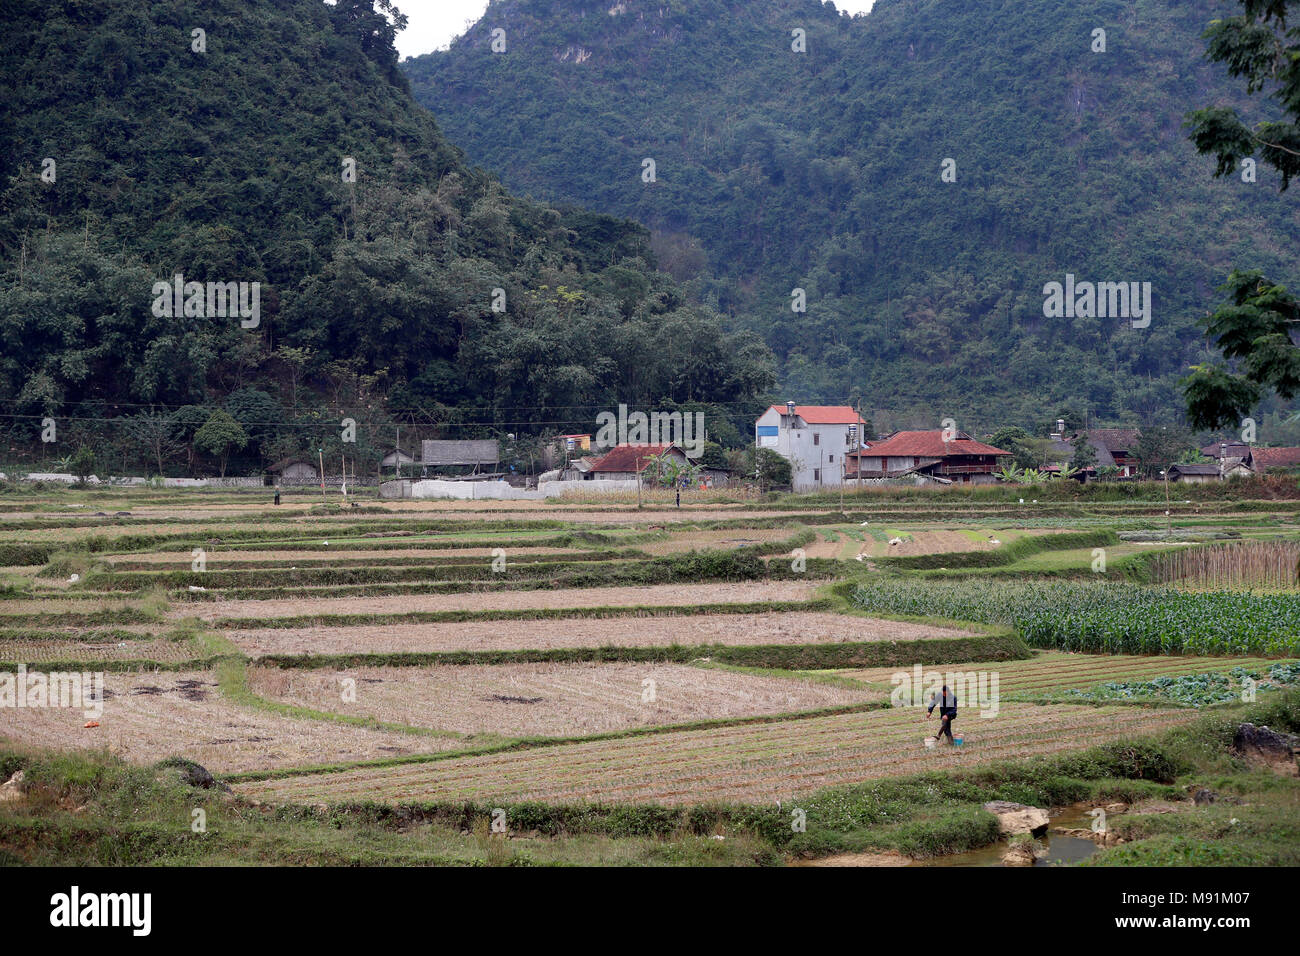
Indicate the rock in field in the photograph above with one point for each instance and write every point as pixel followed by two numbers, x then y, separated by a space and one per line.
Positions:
pixel 11 789
pixel 1017 817
pixel 1022 853
pixel 192 774
pixel 1264 747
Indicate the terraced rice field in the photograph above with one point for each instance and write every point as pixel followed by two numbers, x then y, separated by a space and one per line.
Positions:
pixel 757 763
pixel 563 673
pixel 787 628
pixel 526 700
pixel 147 717
pixel 216 560
pixel 667 595
pixel 161 651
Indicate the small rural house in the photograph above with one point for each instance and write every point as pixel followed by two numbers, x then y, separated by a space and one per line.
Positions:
pixel 1195 473
pixel 1262 459
pixel 1115 447
pixel 814 438
pixel 395 458
pixel 574 444
pixel 626 462
pixel 1230 449
pixel 292 471
pixel 925 454
pixel 1236 456
pixel 1111 447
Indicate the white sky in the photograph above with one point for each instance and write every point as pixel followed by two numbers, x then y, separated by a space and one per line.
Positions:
pixel 435 23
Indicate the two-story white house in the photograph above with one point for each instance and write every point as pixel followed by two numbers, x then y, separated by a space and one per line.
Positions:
pixel 814 438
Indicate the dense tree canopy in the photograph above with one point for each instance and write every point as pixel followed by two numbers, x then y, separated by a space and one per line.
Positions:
pixel 395 283
pixel 823 170
pixel 1258 327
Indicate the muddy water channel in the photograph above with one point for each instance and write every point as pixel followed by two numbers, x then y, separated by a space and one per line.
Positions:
pixel 1060 849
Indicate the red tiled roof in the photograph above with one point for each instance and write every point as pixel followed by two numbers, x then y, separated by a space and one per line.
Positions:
pixel 629 457
pixel 929 444
pixel 823 414
pixel 1261 458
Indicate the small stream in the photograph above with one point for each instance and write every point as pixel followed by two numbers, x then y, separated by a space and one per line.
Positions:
pixel 1060 849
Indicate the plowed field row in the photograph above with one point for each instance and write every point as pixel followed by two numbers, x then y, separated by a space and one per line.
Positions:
pixel 749 763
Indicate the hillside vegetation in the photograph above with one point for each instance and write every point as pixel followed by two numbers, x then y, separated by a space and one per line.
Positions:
pixel 376 299
pixel 821 170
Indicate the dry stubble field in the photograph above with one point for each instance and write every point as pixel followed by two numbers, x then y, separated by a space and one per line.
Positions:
pixel 708 735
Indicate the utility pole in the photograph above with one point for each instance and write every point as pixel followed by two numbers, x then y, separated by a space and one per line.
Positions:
pixel 858 428
pixel 321 452
pixel 1164 472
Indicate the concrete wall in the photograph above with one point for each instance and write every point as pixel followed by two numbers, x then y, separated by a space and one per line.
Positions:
pixel 495 490
pixel 466 452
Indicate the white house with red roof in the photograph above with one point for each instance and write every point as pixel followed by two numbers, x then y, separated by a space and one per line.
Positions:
pixel 814 438
pixel 950 457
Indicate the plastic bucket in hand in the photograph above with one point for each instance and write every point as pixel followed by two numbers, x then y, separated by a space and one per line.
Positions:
pixel 957 739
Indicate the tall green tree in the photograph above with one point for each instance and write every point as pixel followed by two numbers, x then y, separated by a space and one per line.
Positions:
pixel 1257 327
pixel 1085 456
pixel 1159 447
pixel 220 436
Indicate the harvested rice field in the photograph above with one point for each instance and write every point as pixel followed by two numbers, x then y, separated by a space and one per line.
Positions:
pixel 667 595
pixel 792 627
pixel 652 665
pixel 548 700
pixel 333 558
pixel 161 651
pixel 759 763
pixel 147 717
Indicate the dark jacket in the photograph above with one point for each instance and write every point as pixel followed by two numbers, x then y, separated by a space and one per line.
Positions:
pixel 947 704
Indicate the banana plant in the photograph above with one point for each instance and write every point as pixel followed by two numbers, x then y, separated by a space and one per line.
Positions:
pixel 1010 474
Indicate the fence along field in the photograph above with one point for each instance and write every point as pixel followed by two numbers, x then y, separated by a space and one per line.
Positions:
pixel 1237 565
pixel 279 733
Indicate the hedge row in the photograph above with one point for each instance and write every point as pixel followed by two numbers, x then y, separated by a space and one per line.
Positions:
pixel 737 565
pixel 997 647
pixel 23 555
pixel 396 561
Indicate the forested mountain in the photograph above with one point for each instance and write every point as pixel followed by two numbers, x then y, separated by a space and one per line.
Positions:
pixel 824 170
pixel 216 141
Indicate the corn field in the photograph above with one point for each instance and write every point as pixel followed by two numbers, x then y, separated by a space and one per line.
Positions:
pixel 1104 617
pixel 1236 565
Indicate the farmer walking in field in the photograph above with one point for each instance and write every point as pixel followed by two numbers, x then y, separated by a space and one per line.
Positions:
pixel 946 701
